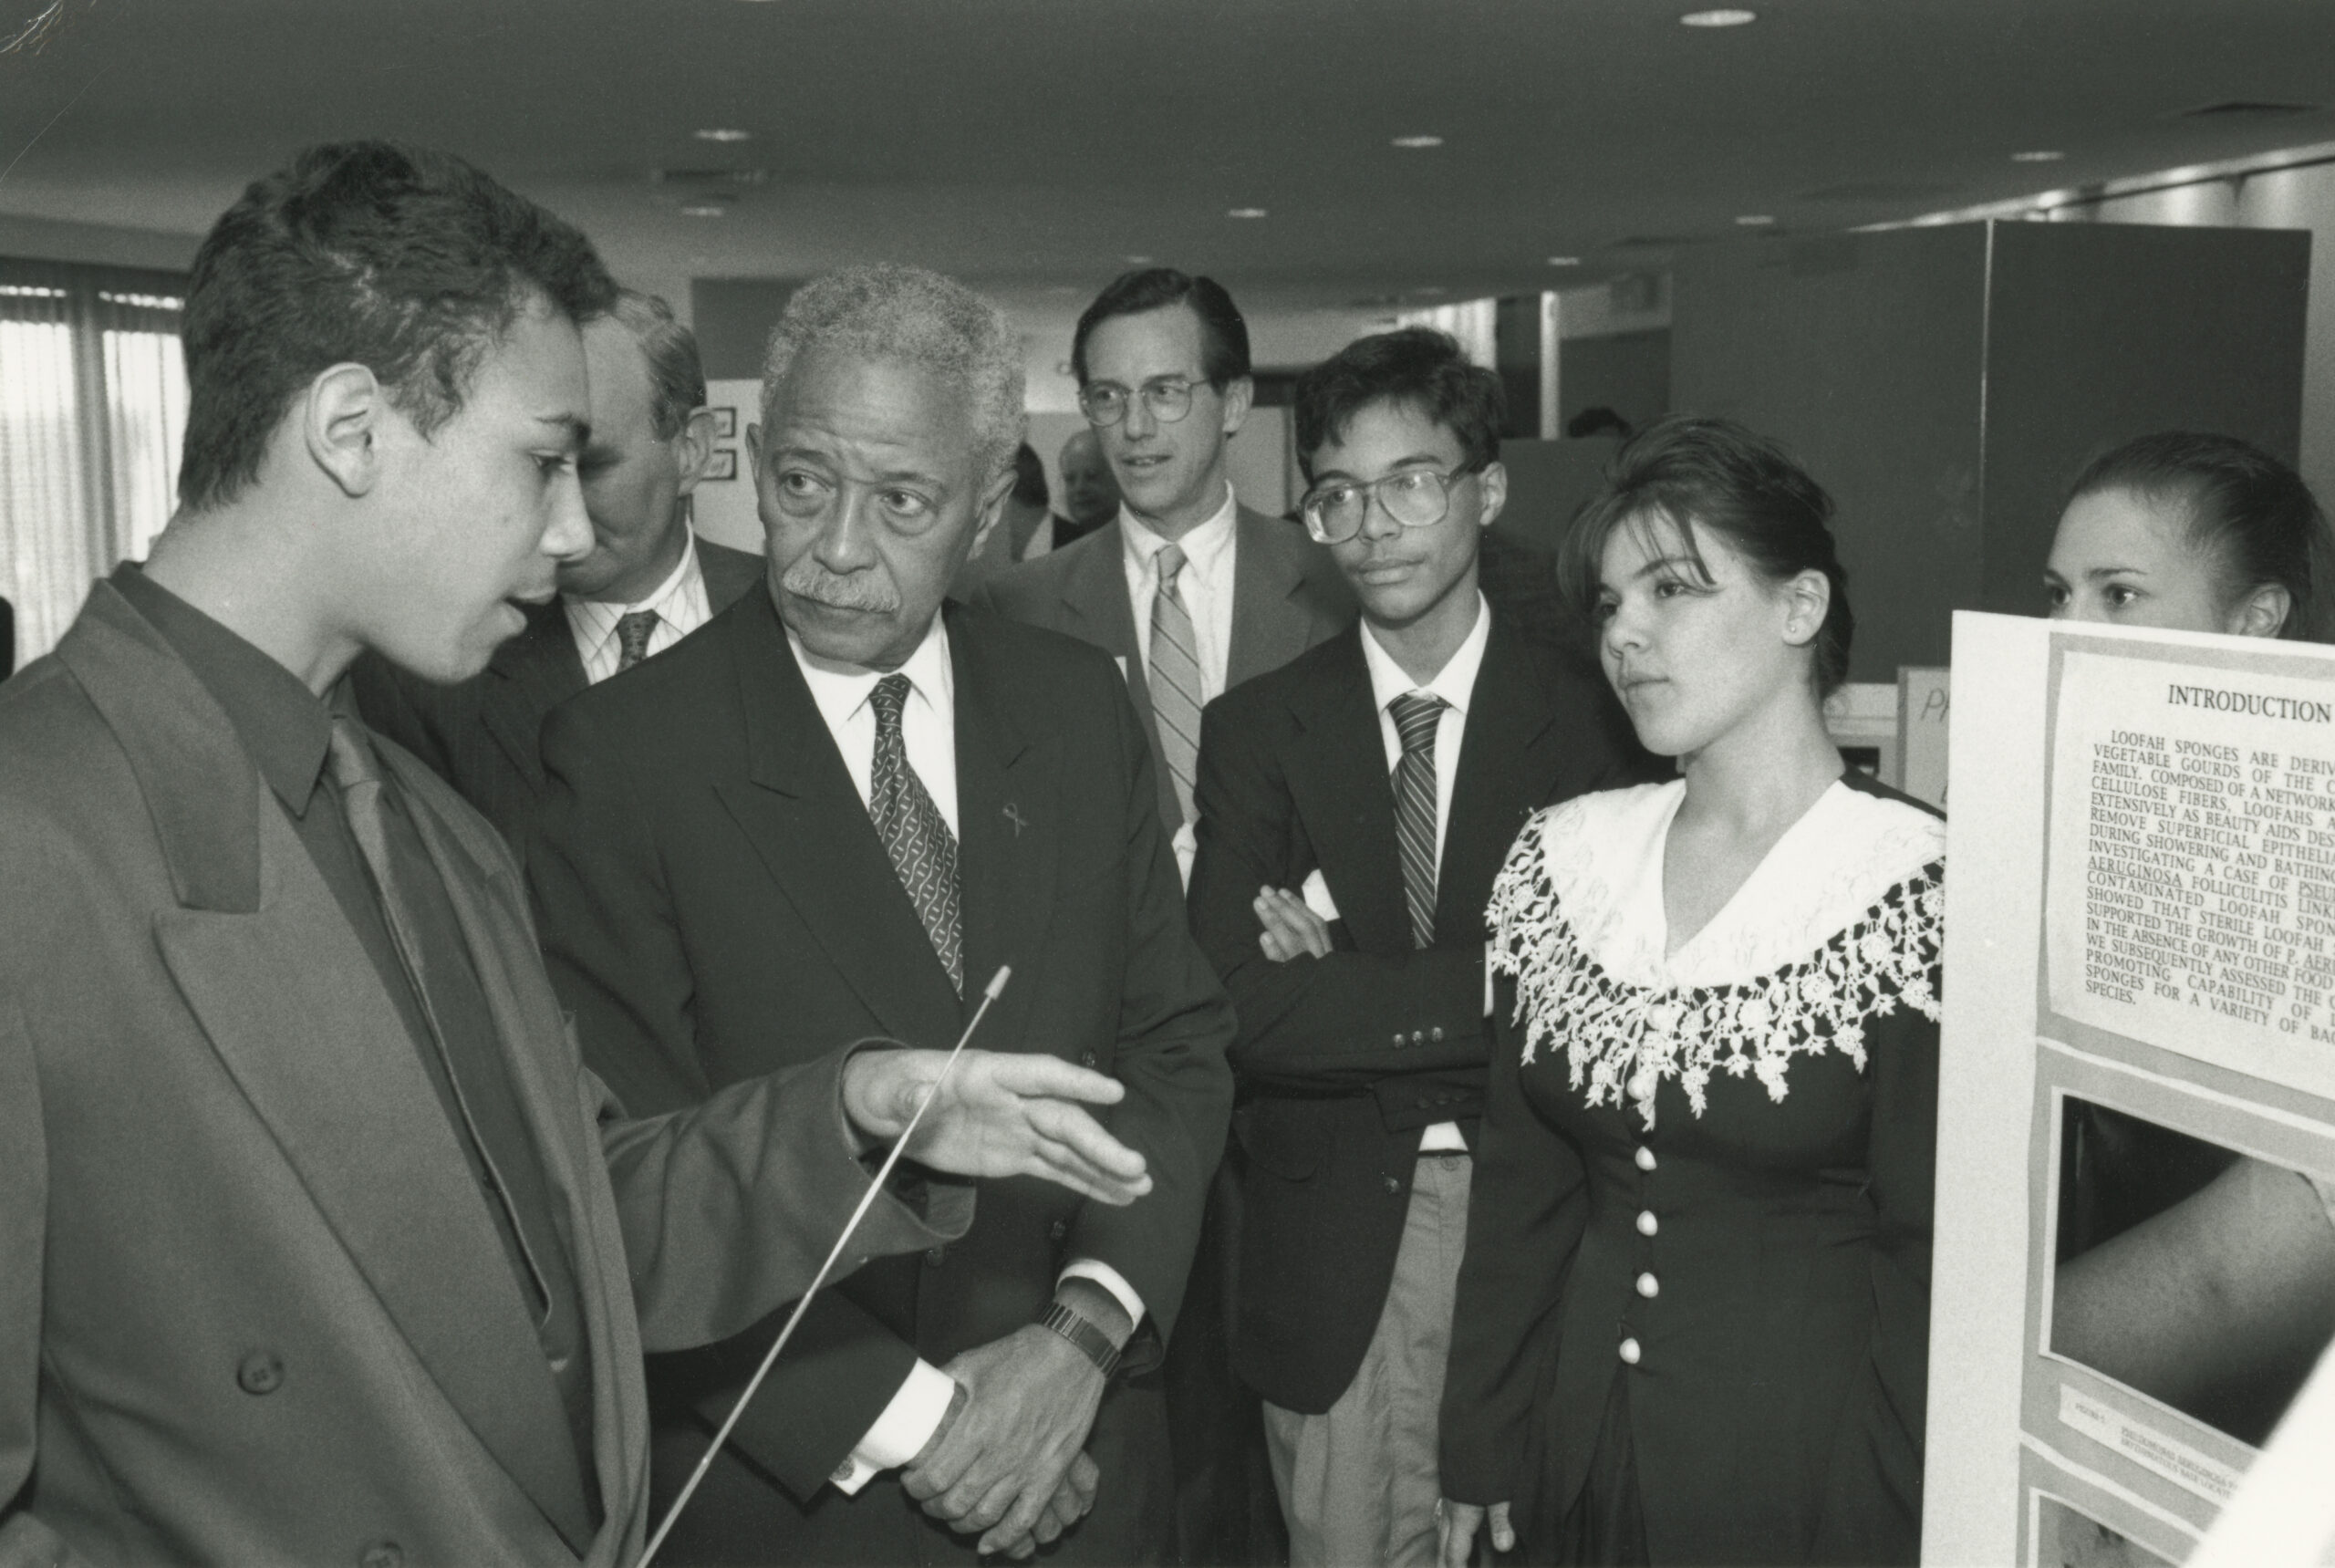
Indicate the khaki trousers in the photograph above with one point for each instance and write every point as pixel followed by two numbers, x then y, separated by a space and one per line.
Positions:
pixel 1358 1483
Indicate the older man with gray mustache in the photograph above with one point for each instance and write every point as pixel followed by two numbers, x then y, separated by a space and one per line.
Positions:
pixel 836 810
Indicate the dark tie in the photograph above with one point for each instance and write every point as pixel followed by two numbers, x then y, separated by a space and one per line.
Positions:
pixel 1175 679
pixel 633 632
pixel 1416 717
pixel 916 835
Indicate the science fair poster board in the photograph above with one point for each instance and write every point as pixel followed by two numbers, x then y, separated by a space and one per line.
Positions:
pixel 2140 935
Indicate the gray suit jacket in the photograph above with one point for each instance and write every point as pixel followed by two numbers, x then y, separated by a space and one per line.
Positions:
pixel 1287 596
pixel 253 1309
pixel 480 735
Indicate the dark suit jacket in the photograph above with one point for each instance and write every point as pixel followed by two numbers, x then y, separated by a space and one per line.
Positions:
pixel 1287 596
pixel 716 901
pixel 1343 1061
pixel 253 1309
pixel 481 735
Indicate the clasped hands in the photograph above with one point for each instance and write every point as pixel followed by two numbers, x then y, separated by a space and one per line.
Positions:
pixel 998 1114
pixel 1009 1457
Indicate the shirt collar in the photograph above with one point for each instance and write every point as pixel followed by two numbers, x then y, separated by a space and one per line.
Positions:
pixel 283 726
pixel 1455 682
pixel 664 591
pixel 840 690
pixel 1205 549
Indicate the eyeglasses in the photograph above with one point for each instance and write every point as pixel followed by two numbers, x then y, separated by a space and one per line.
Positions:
pixel 1169 399
pixel 1414 497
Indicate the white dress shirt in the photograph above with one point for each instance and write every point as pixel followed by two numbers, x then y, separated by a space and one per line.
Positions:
pixel 1206 584
pixel 1456 684
pixel 680 602
pixel 929 735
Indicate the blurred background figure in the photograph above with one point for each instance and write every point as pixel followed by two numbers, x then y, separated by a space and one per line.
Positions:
pixel 1090 491
pixel 1024 529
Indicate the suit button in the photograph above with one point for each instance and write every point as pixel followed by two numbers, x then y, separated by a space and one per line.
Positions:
pixel 1436 1034
pixel 936 1256
pixel 260 1372
pixel 1648 1286
pixel 1392 1185
pixel 381 1555
pixel 1087 1059
pixel 1400 1041
pixel 1641 1085
pixel 1058 1229
pixel 1644 1156
pixel 1418 1037
pixel 1630 1352
pixel 1422 1103
pixel 1647 1223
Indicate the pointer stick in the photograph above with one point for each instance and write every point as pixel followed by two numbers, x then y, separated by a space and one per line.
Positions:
pixel 883 1174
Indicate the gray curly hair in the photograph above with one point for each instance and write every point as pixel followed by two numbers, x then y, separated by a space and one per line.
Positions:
pixel 905 312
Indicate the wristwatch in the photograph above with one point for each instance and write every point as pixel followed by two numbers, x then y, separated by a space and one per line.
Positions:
pixel 1090 1341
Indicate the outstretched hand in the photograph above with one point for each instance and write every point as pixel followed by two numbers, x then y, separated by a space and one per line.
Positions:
pixel 999 1114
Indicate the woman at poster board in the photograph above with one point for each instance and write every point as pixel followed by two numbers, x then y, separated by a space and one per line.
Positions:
pixel 2196 1276
pixel 1693 1317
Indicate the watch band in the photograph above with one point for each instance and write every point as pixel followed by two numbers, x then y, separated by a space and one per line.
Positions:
pixel 1091 1342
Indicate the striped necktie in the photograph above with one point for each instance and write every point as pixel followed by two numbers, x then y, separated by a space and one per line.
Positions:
pixel 633 632
pixel 1175 678
pixel 1417 715
pixel 916 835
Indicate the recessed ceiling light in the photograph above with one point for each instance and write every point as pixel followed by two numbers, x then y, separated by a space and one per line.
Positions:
pixel 1245 213
pixel 723 133
pixel 1564 261
pixel 1419 141
pixel 1725 17
pixel 703 210
pixel 1431 290
pixel 1138 261
pixel 1756 220
pixel 2041 156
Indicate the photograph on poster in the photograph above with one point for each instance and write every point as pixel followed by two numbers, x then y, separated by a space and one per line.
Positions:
pixel 2177 1276
pixel 2065 1537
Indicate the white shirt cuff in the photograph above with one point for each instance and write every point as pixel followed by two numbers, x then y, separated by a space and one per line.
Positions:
pixel 1187 845
pixel 1110 1279
pixel 900 1433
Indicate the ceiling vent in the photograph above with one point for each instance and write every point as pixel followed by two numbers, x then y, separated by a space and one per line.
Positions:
pixel 2246 108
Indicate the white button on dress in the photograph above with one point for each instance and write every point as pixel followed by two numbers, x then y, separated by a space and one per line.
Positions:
pixel 1644 1158
pixel 1649 1286
pixel 1647 1223
pixel 1630 1352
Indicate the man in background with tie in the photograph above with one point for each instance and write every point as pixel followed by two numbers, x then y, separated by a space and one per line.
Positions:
pixel 839 808
pixel 1354 806
pixel 648 582
pixel 1190 591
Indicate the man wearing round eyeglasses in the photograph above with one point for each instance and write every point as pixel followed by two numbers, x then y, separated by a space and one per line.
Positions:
pixel 1354 806
pixel 1191 591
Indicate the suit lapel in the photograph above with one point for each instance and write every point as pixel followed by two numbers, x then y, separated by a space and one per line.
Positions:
pixel 1508 763
pixel 799 809
pixel 1338 777
pixel 1009 828
pixel 529 676
pixel 1096 609
pixel 1268 631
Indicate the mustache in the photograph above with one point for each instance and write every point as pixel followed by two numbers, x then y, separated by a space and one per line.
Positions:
pixel 807 579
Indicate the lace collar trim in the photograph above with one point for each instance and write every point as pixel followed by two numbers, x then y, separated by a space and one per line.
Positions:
pixel 1624 1031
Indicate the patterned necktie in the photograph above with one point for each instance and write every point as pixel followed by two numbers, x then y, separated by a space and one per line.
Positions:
pixel 917 836
pixel 1175 679
pixel 633 632
pixel 1416 717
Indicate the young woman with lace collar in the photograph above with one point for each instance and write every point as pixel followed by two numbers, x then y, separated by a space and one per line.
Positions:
pixel 1693 1317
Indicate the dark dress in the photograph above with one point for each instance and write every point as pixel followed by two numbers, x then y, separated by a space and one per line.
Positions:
pixel 1693 1320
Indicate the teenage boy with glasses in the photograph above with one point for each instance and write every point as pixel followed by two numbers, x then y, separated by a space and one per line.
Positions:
pixel 1354 806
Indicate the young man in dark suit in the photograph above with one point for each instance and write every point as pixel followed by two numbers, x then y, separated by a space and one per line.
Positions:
pixel 1354 806
pixel 320 1244
pixel 646 582
pixel 1189 590
pixel 841 806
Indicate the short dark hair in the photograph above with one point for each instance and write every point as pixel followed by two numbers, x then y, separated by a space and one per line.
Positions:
pixel 1030 477
pixel 2251 512
pixel 1224 335
pixel 1417 367
pixel 408 261
pixel 676 372
pixel 1698 473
